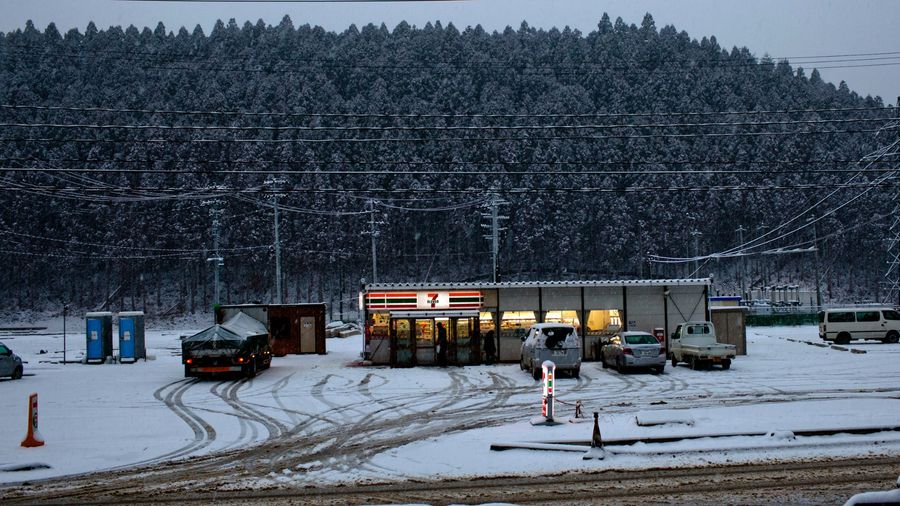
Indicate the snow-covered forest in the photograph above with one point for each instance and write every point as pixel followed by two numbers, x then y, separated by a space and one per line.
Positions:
pixel 131 140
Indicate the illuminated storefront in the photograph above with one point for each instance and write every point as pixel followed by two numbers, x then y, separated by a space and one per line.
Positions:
pixel 404 320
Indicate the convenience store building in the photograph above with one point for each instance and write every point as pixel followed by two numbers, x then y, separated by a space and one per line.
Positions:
pixel 402 318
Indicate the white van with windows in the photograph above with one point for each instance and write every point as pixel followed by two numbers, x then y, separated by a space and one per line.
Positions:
pixel 845 324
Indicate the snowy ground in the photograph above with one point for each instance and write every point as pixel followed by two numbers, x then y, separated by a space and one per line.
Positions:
pixel 367 424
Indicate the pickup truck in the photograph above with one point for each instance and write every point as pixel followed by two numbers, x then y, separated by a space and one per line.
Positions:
pixel 695 343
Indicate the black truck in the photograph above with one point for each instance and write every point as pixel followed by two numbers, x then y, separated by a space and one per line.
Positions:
pixel 240 345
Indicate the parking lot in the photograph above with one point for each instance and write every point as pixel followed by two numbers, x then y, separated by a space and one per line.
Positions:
pixel 321 419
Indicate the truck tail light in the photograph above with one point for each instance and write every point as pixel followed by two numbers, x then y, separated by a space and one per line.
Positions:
pixel 662 351
pixel 628 351
pixel 240 360
pixel 189 361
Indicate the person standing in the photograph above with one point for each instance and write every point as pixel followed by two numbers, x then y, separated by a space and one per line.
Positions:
pixel 441 345
pixel 490 348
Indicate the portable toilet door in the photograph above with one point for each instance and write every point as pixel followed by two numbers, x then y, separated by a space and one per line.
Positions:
pixel 131 336
pixel 99 336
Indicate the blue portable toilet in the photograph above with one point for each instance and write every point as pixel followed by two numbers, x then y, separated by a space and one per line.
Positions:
pixel 99 336
pixel 131 336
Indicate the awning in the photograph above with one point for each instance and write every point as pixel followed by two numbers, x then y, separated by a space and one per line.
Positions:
pixel 434 314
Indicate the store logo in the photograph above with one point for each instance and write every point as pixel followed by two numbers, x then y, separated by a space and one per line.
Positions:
pixel 433 299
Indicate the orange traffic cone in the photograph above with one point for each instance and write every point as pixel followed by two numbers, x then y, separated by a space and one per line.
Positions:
pixel 33 438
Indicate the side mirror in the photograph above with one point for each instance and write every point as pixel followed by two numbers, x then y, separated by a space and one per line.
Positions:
pixel 674 335
pixel 523 338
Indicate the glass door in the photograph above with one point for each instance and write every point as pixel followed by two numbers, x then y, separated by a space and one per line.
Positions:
pixel 425 341
pixel 403 346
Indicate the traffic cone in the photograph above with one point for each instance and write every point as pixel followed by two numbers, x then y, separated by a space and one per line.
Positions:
pixel 33 438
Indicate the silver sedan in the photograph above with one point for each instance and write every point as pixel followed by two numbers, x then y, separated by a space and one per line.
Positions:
pixel 633 349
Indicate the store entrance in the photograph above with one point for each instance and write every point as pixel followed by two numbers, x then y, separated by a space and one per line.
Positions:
pixel 414 338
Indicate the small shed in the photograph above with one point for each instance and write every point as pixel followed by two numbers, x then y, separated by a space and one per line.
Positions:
pixel 295 328
pixel 730 326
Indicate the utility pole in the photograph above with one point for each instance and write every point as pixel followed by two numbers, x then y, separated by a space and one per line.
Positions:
pixel 495 227
pixel 696 233
pixel 762 262
pixel 740 231
pixel 215 212
pixel 275 183
pixel 374 234
pixel 816 261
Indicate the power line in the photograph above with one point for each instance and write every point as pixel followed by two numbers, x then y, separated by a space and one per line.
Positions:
pixel 369 140
pixel 434 115
pixel 522 190
pixel 158 61
pixel 441 128
pixel 668 172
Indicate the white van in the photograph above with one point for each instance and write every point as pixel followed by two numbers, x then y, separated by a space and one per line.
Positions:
pixel 842 325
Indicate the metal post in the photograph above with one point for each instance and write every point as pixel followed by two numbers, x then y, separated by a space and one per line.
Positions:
pixel 65 313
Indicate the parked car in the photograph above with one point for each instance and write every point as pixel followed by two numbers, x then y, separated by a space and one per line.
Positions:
pixel 842 325
pixel 633 349
pixel 556 342
pixel 695 343
pixel 10 363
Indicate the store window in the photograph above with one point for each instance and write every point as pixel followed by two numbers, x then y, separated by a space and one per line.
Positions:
pixel 380 325
pixel 602 322
pixel 486 322
pixel 567 317
pixel 516 323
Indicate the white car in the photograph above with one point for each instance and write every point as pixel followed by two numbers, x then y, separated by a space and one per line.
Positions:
pixel 556 342
pixel 842 325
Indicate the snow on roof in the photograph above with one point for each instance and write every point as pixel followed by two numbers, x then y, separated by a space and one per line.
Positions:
pixel 539 284
pixel 131 313
pixel 96 314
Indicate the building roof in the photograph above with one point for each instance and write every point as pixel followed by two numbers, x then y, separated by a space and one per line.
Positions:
pixel 538 284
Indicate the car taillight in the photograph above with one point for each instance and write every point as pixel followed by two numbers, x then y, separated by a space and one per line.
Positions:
pixel 627 351
pixel 662 351
pixel 189 361
pixel 240 360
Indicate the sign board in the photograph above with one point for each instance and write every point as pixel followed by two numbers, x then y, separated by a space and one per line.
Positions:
pixel 427 300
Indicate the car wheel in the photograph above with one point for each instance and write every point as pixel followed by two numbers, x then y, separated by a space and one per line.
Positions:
pixel 892 337
pixel 674 360
pixel 620 366
pixel 250 370
pixel 692 363
pixel 843 338
pixel 603 362
pixel 576 373
pixel 536 373
pixel 726 364
pixel 187 371
pixel 17 373
pixel 658 369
